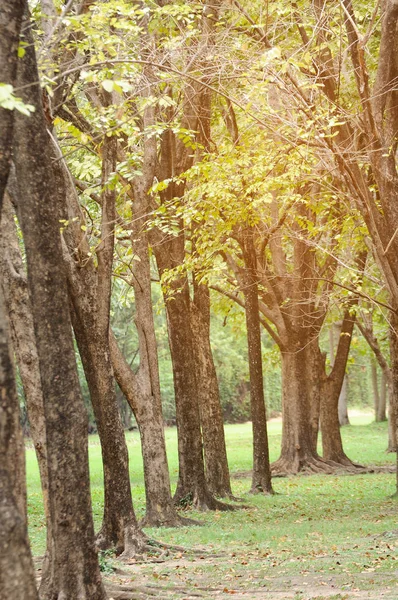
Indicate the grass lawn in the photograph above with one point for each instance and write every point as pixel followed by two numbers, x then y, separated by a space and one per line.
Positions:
pixel 336 535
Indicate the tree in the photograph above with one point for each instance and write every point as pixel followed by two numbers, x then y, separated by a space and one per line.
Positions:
pixel 73 569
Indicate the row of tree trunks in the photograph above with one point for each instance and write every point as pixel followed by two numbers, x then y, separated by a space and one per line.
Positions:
pixel 72 571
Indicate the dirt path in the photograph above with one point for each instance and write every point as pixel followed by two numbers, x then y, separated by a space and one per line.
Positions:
pixel 205 577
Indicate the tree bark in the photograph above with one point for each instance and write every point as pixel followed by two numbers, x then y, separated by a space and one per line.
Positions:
pixel 261 477
pixel 211 418
pixel 342 407
pixel 381 413
pixel 298 440
pixel 142 390
pixel 10 25
pixel 73 571
pixel 15 288
pixel 89 292
pixel 394 387
pixel 17 577
pixel 332 444
pixel 375 388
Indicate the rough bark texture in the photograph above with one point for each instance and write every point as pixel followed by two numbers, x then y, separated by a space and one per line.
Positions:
pixel 15 288
pixel 89 292
pixel 17 577
pixel 73 570
pixel 394 389
pixel 14 283
pixel 332 444
pixel 211 418
pixel 298 451
pixel 10 24
pixel 143 389
pixel 261 477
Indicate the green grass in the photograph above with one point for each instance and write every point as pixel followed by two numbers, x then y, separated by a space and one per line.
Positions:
pixel 308 514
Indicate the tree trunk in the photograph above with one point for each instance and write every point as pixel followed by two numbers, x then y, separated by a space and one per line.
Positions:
pixel 394 386
pixel 381 412
pixel 191 486
pixel 17 577
pixel 119 525
pixel 375 388
pixel 332 443
pixel 73 571
pixel 298 440
pixel 211 418
pixel 261 477
pixel 19 310
pixel 342 407
pixel 392 427
pixel 10 25
pixel 142 391
pixel 89 293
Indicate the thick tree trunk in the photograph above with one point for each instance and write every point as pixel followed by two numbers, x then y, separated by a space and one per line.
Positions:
pixel 191 485
pixel 73 571
pixel 298 440
pixel 211 418
pixel 17 577
pixel 261 477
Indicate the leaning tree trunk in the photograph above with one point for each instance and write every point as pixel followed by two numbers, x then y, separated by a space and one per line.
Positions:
pixel 73 571
pixel 17 577
pixel 142 391
pixel 332 444
pixel 119 527
pixel 261 477
pixel 90 292
pixel 211 418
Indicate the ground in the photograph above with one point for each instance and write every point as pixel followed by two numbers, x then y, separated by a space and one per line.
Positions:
pixel 320 537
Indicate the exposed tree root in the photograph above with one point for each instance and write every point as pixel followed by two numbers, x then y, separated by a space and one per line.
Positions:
pixel 260 489
pixel 128 542
pixel 173 520
pixel 201 500
pixel 315 465
pixel 311 464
